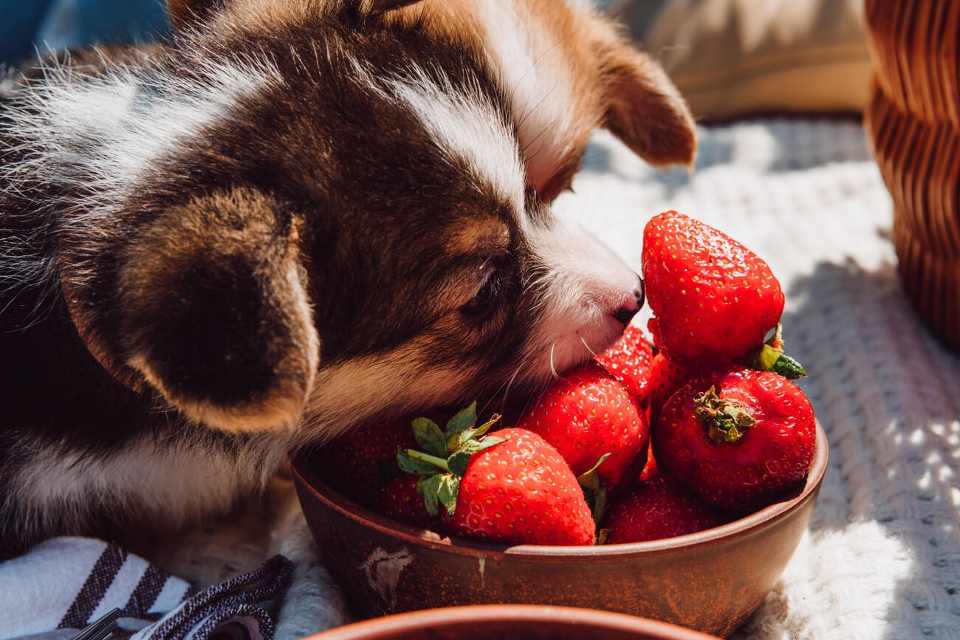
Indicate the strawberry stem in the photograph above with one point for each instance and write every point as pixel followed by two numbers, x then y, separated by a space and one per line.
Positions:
pixel 788 367
pixel 726 421
pixel 771 357
pixel 429 459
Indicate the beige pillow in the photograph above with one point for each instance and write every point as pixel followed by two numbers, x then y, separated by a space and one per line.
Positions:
pixel 735 57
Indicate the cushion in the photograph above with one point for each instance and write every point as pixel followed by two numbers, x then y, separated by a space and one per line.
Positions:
pixel 736 57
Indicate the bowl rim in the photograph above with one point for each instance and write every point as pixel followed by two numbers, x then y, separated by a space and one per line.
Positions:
pixel 307 479
pixel 430 618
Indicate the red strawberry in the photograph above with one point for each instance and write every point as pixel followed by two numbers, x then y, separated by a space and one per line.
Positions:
pixel 586 415
pixel 665 377
pixel 738 439
pixel 715 301
pixel 628 361
pixel 361 461
pixel 522 491
pixel 401 501
pixel 511 487
pixel 656 509
pixel 649 376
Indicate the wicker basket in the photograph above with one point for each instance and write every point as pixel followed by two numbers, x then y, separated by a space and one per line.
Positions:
pixel 914 49
pixel 914 123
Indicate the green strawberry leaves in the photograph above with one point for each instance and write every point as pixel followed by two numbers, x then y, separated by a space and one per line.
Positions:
pixel 429 488
pixel 439 489
pixel 412 465
pixel 448 491
pixel 445 456
pixel 593 490
pixel 429 436
pixel 459 434
pixel 771 357
pixel 463 420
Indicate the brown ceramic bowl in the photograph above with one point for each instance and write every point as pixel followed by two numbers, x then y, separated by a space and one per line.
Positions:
pixel 516 622
pixel 710 581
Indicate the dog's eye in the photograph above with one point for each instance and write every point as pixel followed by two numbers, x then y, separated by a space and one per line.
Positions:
pixel 485 301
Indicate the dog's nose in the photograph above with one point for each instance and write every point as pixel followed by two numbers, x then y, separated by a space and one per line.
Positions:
pixel 626 313
pixel 640 293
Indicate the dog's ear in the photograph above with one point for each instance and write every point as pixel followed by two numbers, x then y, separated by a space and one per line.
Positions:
pixel 184 13
pixel 214 311
pixel 643 107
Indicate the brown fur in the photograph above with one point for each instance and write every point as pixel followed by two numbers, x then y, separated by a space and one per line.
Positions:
pixel 614 85
pixel 255 247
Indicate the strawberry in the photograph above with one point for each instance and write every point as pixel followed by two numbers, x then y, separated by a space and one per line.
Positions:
pixel 714 300
pixel 739 439
pixel 522 491
pixel 511 487
pixel 656 509
pixel 628 361
pixel 361 461
pixel 635 363
pixel 401 501
pixel 665 377
pixel 587 415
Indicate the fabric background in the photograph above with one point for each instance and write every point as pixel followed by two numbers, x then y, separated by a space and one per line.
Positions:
pixel 743 57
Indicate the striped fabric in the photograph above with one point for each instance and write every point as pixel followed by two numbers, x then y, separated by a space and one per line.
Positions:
pixel 69 583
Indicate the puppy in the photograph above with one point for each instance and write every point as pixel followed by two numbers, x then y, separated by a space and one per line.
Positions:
pixel 295 215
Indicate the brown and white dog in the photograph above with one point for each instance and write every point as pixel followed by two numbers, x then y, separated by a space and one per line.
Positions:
pixel 293 216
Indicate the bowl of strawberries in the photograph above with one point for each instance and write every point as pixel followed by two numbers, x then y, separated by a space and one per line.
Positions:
pixel 671 478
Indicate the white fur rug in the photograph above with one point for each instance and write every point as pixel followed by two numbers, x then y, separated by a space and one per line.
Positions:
pixel 882 558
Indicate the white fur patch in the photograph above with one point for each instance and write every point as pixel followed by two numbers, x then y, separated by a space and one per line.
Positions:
pixel 538 83
pixel 582 284
pixel 166 480
pixel 468 127
pixel 97 135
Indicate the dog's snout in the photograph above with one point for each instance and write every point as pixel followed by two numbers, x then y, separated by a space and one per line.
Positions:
pixel 640 293
pixel 632 306
pixel 625 314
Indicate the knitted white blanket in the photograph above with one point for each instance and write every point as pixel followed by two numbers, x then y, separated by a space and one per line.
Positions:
pixel 882 558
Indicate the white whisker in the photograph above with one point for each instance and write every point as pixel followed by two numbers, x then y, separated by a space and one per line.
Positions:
pixel 506 392
pixel 586 346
